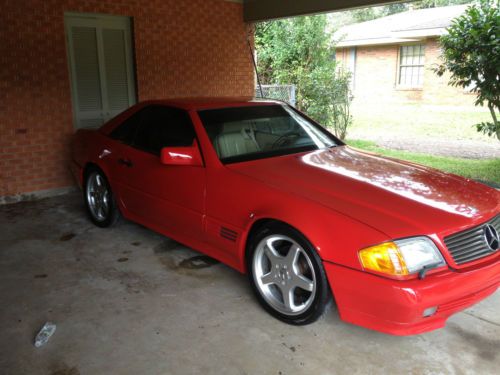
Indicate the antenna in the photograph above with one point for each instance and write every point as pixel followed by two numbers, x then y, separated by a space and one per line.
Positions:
pixel 254 65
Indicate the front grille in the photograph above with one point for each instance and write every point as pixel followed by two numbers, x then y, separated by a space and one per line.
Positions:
pixel 470 244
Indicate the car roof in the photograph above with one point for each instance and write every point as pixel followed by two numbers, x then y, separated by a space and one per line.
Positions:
pixel 189 104
pixel 212 103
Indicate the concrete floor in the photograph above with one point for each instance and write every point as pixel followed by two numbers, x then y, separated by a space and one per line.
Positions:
pixel 129 301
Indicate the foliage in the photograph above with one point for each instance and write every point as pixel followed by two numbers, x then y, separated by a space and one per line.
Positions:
pixel 389 9
pixel 365 14
pixel 341 108
pixel 471 53
pixel 370 13
pixel 438 3
pixel 299 51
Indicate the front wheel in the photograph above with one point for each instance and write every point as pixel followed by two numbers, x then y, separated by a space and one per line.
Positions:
pixel 287 275
pixel 99 199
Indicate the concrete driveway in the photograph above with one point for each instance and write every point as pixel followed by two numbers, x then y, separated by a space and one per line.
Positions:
pixel 129 301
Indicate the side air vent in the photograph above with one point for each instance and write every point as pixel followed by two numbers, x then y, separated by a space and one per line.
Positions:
pixel 228 234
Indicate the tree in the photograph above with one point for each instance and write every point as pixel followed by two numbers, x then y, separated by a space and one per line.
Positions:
pixel 471 53
pixel 341 111
pixel 299 51
pixel 365 14
pixel 371 13
pixel 389 9
pixel 438 3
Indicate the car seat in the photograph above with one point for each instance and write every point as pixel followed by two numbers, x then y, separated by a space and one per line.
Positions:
pixel 235 139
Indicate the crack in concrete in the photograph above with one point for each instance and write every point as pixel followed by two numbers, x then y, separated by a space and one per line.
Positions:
pixel 482 319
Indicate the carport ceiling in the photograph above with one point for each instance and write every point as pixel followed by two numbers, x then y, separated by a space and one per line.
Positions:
pixel 262 10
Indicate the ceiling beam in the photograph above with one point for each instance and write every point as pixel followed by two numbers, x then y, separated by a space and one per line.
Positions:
pixel 263 10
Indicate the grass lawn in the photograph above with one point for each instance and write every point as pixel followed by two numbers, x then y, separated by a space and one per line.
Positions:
pixel 483 170
pixel 418 121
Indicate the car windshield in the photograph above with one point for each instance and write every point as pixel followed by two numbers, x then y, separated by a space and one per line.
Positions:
pixel 261 131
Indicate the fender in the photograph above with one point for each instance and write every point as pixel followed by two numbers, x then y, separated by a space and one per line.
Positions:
pixel 335 237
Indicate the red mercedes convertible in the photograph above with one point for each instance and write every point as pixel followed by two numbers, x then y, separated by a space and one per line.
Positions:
pixel 263 188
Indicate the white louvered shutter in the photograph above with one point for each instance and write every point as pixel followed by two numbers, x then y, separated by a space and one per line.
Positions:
pixel 100 58
pixel 119 89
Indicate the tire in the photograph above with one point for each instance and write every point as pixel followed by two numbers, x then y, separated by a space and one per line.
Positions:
pixel 282 262
pixel 99 200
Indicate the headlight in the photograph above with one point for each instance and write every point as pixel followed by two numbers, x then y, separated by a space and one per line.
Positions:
pixel 402 257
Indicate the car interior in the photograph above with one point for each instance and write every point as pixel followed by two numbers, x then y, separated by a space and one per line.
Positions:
pixel 258 135
pixel 239 133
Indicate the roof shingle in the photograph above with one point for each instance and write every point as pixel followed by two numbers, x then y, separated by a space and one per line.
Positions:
pixel 408 26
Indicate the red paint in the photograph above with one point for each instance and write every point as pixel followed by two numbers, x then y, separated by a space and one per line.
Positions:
pixel 182 156
pixel 396 307
pixel 341 199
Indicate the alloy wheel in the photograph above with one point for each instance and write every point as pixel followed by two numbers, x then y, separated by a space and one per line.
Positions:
pixel 98 196
pixel 284 274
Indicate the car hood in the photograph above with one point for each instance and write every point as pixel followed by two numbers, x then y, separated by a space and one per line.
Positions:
pixel 396 197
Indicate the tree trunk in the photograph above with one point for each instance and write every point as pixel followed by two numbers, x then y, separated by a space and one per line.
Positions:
pixel 495 121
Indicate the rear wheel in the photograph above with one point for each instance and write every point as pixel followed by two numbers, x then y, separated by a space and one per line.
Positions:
pixel 287 275
pixel 99 199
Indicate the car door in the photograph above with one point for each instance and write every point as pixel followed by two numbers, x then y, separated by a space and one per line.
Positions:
pixel 114 155
pixel 169 197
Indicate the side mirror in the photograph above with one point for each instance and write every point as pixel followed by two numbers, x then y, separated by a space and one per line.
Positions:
pixel 189 155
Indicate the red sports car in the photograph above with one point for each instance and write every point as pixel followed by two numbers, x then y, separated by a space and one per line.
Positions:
pixel 263 188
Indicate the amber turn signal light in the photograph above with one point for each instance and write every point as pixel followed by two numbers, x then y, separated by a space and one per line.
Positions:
pixel 384 258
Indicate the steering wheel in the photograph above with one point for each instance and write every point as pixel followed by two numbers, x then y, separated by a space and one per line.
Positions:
pixel 285 139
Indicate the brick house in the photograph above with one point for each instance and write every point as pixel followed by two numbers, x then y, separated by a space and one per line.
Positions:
pixel 66 64
pixel 391 58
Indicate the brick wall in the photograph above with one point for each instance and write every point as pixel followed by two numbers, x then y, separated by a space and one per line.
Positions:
pixel 182 48
pixel 376 77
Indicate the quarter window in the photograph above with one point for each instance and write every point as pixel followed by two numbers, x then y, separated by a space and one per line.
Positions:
pixel 125 132
pixel 164 127
pixel 411 65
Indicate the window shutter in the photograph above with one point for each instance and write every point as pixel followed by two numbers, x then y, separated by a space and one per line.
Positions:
pixel 101 66
pixel 87 80
pixel 117 83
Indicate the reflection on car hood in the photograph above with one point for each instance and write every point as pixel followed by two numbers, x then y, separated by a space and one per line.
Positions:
pixel 397 197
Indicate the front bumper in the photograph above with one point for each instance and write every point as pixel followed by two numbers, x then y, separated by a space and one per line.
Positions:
pixel 396 307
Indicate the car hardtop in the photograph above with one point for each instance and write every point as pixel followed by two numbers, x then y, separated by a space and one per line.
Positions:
pixel 198 104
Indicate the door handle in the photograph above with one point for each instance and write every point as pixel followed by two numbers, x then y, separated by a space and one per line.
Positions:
pixel 126 162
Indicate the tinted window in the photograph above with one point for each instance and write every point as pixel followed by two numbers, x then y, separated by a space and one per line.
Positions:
pixel 126 131
pixel 164 127
pixel 246 133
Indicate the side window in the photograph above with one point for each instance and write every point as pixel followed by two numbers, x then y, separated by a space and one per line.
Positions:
pixel 164 127
pixel 126 131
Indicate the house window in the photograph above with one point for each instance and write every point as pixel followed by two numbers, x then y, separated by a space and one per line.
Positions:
pixel 411 65
pixel 352 67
